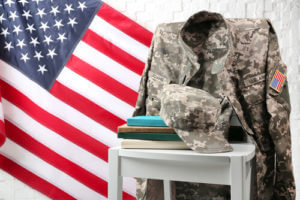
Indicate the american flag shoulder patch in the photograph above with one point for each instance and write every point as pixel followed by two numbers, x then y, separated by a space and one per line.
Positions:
pixel 277 81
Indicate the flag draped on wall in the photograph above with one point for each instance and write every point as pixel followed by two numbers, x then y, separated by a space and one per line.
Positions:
pixel 69 75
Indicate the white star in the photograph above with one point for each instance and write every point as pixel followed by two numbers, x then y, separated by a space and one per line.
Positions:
pixel 41 12
pixel 2 18
pixel 47 39
pixel 51 53
pixel 4 32
pixel 26 14
pixel 21 43
pixel 24 57
pixel 61 37
pixel 9 2
pixel 54 10
pixel 30 28
pixel 23 2
pixel 38 55
pixel 72 21
pixel 42 69
pixel 17 29
pixel 34 41
pixel 58 24
pixel 82 6
pixel 13 15
pixel 8 46
pixel 68 8
pixel 37 1
pixel 44 26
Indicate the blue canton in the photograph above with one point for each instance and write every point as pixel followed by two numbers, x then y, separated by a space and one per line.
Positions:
pixel 37 37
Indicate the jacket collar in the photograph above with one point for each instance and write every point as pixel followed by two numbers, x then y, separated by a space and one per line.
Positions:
pixel 209 31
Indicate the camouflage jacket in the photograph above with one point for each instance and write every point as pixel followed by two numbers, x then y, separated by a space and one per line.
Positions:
pixel 236 58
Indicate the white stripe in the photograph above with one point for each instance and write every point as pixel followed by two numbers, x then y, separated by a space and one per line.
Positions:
pixel 94 93
pixel 1 112
pixel 105 64
pixel 60 145
pixel 119 38
pixel 44 170
pixel 56 107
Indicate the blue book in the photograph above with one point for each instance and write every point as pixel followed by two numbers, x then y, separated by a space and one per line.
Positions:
pixel 146 121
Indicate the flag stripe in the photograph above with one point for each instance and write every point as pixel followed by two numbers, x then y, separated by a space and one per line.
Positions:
pixel 46 171
pixel 33 180
pixel 102 80
pixel 114 52
pixel 54 123
pixel 105 64
pixel 117 37
pixel 125 24
pixel 86 106
pixel 95 94
pixel 54 106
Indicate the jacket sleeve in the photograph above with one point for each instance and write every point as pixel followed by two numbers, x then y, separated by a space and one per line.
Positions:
pixel 278 107
pixel 140 108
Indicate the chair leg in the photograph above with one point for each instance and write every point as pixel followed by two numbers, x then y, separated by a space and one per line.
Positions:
pixel 167 190
pixel 115 180
pixel 237 170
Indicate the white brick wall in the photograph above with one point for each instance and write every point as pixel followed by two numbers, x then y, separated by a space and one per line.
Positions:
pixel 285 16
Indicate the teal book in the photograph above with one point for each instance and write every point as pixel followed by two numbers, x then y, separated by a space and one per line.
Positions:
pixel 150 136
pixel 146 121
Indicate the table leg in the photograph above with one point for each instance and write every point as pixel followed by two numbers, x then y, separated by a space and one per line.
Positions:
pixel 115 180
pixel 167 190
pixel 237 178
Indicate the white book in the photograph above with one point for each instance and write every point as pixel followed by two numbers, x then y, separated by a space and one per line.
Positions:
pixel 151 144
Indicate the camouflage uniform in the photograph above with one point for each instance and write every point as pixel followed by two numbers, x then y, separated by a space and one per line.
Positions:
pixel 232 58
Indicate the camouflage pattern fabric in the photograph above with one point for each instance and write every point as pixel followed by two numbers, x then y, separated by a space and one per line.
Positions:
pixel 233 58
pixel 197 117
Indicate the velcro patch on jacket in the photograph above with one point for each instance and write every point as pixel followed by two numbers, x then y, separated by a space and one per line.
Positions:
pixel 277 81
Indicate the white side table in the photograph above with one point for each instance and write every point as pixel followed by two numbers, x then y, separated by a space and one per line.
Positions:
pixel 231 168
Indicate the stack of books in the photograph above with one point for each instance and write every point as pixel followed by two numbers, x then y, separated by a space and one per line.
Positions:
pixel 149 132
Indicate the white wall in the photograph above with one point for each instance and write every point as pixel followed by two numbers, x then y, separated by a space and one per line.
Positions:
pixel 285 16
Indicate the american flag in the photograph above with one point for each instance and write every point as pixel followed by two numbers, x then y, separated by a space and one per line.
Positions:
pixel 277 81
pixel 69 75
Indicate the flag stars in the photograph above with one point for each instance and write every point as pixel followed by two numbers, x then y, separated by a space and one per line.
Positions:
pixel 21 43
pixel 13 15
pixel 37 1
pixel 9 2
pixel 68 8
pixel 2 18
pixel 23 2
pixel 58 24
pixel 61 37
pixel 38 55
pixel 4 32
pixel 17 29
pixel 34 41
pixel 30 28
pixel 72 21
pixel 26 14
pixel 44 26
pixel 41 12
pixel 54 10
pixel 8 46
pixel 51 53
pixel 82 6
pixel 42 69
pixel 48 39
pixel 24 57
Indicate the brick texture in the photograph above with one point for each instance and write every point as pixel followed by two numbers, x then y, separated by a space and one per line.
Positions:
pixel 285 17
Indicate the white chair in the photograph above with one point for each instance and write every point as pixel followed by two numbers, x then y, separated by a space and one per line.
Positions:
pixel 231 168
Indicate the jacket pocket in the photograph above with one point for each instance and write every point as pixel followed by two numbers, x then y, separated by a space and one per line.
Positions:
pixel 155 85
pixel 253 89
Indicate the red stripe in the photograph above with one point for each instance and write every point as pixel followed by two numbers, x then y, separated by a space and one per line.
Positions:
pixel 33 180
pixel 2 132
pixel 59 162
pixel 114 52
pixel 53 123
pixel 86 106
pixel 102 80
pixel 125 24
